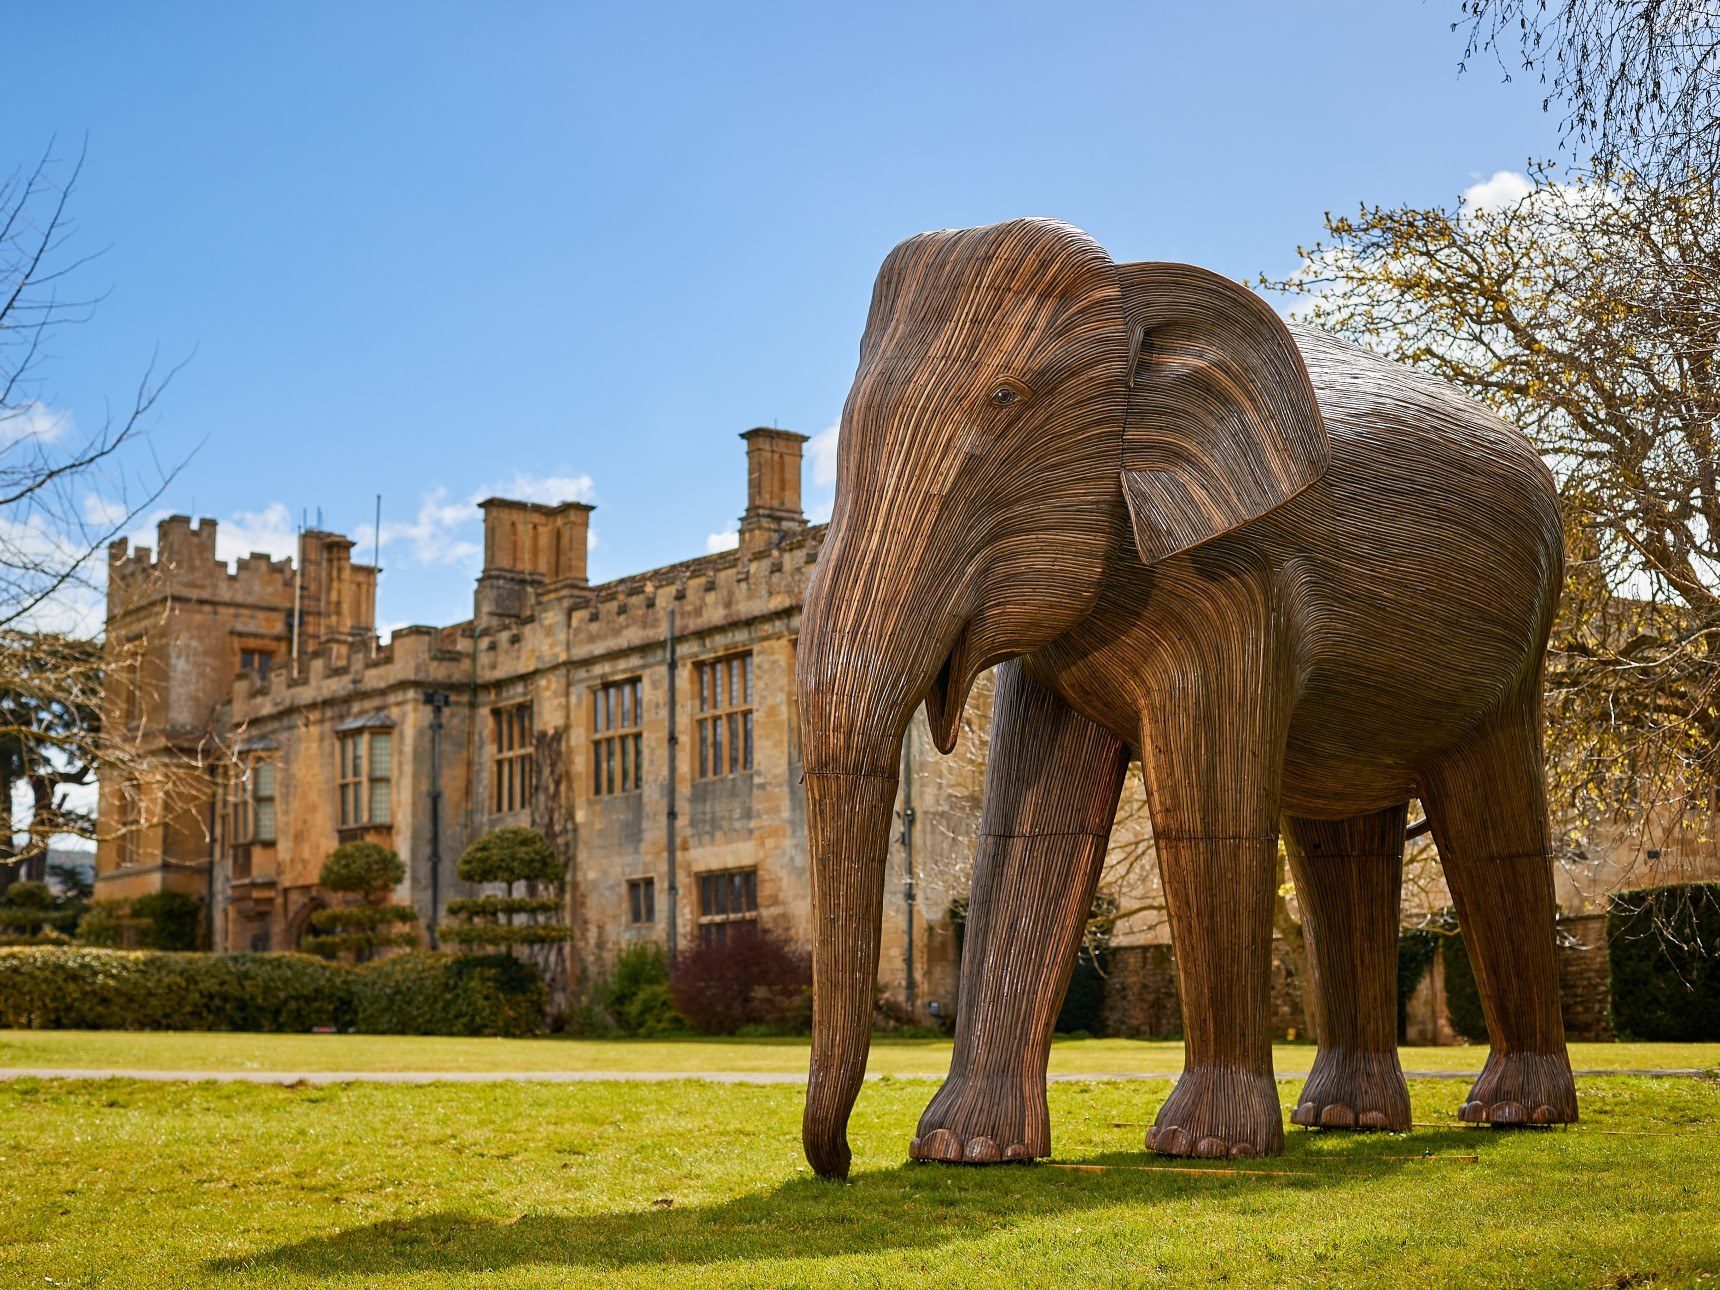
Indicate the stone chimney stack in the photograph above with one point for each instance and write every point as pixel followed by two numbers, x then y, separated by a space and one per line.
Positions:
pixel 529 547
pixel 570 540
pixel 773 488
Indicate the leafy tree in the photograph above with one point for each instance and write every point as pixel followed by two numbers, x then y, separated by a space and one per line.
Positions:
pixel 365 873
pixel 511 856
pixel 1586 313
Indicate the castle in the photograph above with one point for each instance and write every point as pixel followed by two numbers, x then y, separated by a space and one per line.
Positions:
pixel 646 726
pixel 558 704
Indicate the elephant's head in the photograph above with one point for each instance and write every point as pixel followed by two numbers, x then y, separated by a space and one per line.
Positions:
pixel 1018 395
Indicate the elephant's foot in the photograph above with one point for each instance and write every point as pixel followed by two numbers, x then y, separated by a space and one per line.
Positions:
pixel 1214 1112
pixel 980 1122
pixel 1354 1090
pixel 1522 1089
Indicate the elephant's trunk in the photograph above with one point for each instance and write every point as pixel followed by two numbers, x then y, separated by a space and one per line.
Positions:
pixel 858 681
pixel 848 826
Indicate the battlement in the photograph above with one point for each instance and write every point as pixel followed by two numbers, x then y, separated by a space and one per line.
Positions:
pixel 341 666
pixel 710 592
pixel 331 595
pixel 183 563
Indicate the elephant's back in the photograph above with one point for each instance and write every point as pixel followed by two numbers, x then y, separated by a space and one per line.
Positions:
pixel 1430 560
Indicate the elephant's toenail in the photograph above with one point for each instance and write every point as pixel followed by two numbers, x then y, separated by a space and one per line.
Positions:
pixel 1242 1151
pixel 1508 1113
pixel 940 1144
pixel 1211 1148
pixel 1472 1111
pixel 1172 1141
pixel 1373 1120
pixel 1545 1115
pixel 981 1151
pixel 1307 1115
pixel 1337 1116
pixel 1017 1151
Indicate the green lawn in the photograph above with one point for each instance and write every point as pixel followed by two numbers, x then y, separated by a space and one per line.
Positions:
pixel 158 1050
pixel 122 1182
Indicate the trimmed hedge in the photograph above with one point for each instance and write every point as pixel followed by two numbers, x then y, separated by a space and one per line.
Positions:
pixel 62 988
pixel 449 994
pixel 81 988
pixel 1663 946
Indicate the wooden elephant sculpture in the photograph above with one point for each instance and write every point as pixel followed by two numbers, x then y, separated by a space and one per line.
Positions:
pixel 1300 583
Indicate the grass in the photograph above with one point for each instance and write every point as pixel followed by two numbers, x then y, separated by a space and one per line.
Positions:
pixel 121 1182
pixel 218 1051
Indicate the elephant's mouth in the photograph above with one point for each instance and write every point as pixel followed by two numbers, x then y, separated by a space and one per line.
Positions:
pixel 948 695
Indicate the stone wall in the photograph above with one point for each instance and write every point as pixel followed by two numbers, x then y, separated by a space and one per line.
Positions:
pixel 1141 1000
pixel 1141 993
pixel 1585 978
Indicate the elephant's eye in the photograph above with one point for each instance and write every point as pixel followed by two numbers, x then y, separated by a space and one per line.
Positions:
pixel 1009 394
pixel 1003 396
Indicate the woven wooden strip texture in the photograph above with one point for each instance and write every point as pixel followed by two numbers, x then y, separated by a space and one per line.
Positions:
pixel 1301 584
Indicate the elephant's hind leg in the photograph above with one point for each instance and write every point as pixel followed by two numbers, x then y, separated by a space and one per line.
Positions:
pixel 1349 874
pixel 1486 801
pixel 1050 799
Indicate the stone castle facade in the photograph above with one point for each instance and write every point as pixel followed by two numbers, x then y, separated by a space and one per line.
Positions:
pixel 572 708
pixel 551 706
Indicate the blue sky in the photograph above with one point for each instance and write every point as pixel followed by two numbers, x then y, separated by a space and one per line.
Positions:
pixel 437 251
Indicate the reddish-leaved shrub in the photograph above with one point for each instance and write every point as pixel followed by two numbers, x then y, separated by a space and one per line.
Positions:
pixel 753 981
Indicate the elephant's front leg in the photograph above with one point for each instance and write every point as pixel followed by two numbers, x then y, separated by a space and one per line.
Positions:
pixel 1212 752
pixel 1050 799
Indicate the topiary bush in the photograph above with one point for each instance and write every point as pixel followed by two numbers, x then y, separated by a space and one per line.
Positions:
pixel 509 855
pixel 1663 946
pixel 87 988
pixel 31 913
pixel 362 868
pixel 368 871
pixel 752 982
pixel 449 994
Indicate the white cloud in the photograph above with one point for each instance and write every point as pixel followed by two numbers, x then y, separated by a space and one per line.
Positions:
pixel 34 421
pixel 551 490
pixel 435 532
pixel 1505 188
pixel 727 540
pixel 103 512
pixel 823 451
pixel 270 531
pixel 446 530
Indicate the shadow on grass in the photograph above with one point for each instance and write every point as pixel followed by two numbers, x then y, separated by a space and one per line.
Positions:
pixel 911 1206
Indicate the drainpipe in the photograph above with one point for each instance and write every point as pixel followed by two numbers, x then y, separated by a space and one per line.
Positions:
pixel 437 700
pixel 669 816
pixel 214 847
pixel 909 992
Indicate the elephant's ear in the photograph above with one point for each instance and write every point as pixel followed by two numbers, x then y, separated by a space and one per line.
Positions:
pixel 1222 423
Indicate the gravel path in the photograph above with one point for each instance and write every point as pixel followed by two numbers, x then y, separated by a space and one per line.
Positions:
pixel 625 1077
